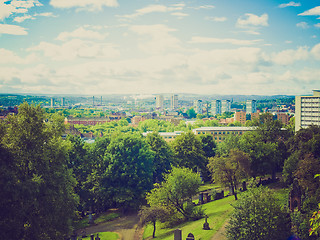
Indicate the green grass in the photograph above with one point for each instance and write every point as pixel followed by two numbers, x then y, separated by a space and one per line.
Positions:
pixel 104 217
pixel 217 211
pixel 105 236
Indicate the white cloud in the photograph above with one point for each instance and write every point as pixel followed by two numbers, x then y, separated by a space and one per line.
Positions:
pixel 203 7
pixel 311 12
pixel 302 25
pixel 160 41
pixel 217 19
pixel 224 40
pixel 45 14
pixel 25 3
pixel 12 29
pixel 6 10
pixel 90 5
pixel 7 56
pixel 82 33
pixel 154 9
pixel 290 4
pixel 315 51
pixel 179 14
pixel 317 25
pixel 288 57
pixel 250 19
pixel 21 19
pixel 74 49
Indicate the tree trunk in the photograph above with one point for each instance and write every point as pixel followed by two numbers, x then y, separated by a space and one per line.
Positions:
pixel 154 230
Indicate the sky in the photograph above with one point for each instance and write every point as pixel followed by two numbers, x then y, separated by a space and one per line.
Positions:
pixel 90 47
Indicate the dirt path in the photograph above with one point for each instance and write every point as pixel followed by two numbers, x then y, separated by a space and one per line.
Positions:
pixel 126 226
pixel 220 234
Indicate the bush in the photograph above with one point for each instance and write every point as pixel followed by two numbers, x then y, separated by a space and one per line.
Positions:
pixel 258 215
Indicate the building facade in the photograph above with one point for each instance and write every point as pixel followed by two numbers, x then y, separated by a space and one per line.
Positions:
pixel 198 106
pixel 307 110
pixel 240 117
pixel 251 106
pixel 219 134
pixel 159 102
pixel 174 101
pixel 225 106
pixel 216 107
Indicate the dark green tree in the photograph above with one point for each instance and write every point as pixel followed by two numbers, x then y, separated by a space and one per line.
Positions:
pixel 258 215
pixel 187 149
pixel 128 174
pixel 191 113
pixel 163 156
pixel 38 200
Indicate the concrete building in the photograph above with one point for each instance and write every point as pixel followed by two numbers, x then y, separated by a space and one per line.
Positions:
pixel 174 101
pixel 198 106
pixel 52 102
pixel 219 134
pixel 159 102
pixel 167 136
pixel 307 110
pixel 251 106
pixel 216 107
pixel 240 117
pixel 225 106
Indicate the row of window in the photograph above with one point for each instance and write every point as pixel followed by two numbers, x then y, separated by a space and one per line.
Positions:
pixel 219 133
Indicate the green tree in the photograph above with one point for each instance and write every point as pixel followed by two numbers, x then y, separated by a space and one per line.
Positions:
pixel 230 169
pixel 152 215
pixel 128 173
pixel 191 113
pixel 38 199
pixel 187 149
pixel 258 215
pixel 179 186
pixel 163 156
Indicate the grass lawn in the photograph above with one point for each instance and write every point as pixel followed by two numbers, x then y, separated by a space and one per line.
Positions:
pixel 104 217
pixel 105 236
pixel 218 212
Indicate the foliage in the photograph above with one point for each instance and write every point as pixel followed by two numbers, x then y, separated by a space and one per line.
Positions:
pixel 38 200
pixel 180 185
pixel 152 215
pixel 230 169
pixel 315 223
pixel 163 156
pixel 128 173
pixel 155 125
pixel 188 152
pixel 258 215
pixel 208 145
pixel 191 113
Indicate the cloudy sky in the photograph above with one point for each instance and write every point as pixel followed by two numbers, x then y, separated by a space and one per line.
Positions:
pixel 263 47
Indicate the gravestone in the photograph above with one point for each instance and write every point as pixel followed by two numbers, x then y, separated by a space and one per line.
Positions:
pixel 177 234
pixel 91 237
pixel 200 198
pixel 295 196
pixel 205 197
pixel 206 224
pixel 97 238
pixel 90 217
pixel 190 236
pixel 244 186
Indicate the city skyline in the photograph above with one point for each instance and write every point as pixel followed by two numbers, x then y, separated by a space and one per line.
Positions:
pixel 149 47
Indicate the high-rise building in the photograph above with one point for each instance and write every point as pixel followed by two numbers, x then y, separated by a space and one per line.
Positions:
pixel 159 102
pixel 251 106
pixel 225 106
pixel 197 104
pixel 62 102
pixel 174 101
pixel 307 110
pixel 52 102
pixel 216 107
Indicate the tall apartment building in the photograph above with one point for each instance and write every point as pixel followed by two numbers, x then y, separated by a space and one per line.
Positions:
pixel 198 106
pixel 283 117
pixel 307 110
pixel 159 102
pixel 240 117
pixel 251 106
pixel 225 106
pixel 174 101
pixel 216 107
